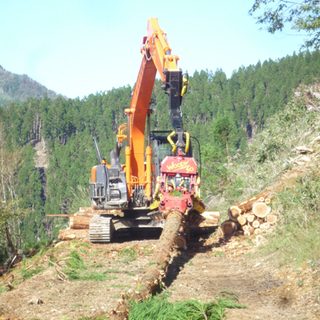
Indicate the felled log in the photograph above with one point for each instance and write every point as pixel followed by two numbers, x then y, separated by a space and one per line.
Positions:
pixel 229 227
pixel 80 222
pixel 242 220
pixel 271 218
pixel 265 226
pixel 70 234
pixel 302 150
pixel 248 231
pixel 211 218
pixel 257 231
pixel 260 209
pixel 155 272
pixel 91 212
pixel 250 217
pixel 234 212
pixel 256 224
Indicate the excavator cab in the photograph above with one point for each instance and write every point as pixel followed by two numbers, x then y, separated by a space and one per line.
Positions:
pixel 108 188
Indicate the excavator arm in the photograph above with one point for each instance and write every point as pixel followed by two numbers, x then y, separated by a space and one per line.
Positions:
pixel 156 56
pixel 131 185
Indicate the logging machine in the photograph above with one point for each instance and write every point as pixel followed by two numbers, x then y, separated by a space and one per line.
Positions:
pixel 160 172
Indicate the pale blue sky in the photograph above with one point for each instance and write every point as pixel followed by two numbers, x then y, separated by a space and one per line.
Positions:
pixel 78 47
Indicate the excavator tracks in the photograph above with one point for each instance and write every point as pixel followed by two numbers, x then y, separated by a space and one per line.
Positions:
pixel 101 229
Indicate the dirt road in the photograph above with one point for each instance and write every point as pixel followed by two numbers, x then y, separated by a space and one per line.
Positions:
pixel 203 271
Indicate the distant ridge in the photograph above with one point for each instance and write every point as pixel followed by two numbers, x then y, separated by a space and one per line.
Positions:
pixel 17 88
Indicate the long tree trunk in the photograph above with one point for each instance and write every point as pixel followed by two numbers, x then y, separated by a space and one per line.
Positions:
pixel 154 274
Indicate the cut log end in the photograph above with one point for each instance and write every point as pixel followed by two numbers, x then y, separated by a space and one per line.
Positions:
pixel 229 227
pixel 242 220
pixel 260 209
pixel 257 231
pixel 272 219
pixel 234 212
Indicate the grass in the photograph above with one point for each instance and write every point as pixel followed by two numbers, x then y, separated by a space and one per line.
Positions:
pixel 218 253
pixel 84 244
pixel 3 289
pixel 159 308
pixel 94 253
pixel 76 270
pixel 147 251
pixel 27 274
pixel 96 265
pixel 297 236
pixel 129 254
pixel 119 286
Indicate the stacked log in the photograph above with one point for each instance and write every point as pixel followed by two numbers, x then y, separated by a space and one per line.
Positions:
pixel 252 216
pixel 78 222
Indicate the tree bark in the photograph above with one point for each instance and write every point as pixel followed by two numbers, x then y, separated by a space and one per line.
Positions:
pixel 12 249
pixel 154 274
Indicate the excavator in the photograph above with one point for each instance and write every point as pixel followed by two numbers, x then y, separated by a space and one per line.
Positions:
pixel 160 172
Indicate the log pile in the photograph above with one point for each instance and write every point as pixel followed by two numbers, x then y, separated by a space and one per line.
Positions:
pixel 250 217
pixel 78 222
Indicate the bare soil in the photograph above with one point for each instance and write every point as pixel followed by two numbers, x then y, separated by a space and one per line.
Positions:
pixel 203 271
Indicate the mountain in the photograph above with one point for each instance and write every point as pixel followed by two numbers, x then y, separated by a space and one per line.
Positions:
pixel 17 88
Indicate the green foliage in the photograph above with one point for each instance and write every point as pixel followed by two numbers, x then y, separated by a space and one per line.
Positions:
pixel 176 193
pixel 301 15
pixel 158 307
pixel 76 270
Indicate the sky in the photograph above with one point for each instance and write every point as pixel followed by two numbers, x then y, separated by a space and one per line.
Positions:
pixel 79 47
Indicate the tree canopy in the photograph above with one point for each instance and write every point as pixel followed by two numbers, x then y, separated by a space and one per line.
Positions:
pixel 300 15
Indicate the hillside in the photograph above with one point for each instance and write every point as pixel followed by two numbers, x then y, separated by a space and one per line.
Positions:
pixel 276 276
pixel 18 88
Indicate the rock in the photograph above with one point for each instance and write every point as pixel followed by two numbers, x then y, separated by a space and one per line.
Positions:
pixel 36 300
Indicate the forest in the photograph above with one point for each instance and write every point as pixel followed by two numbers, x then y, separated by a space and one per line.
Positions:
pixel 223 114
